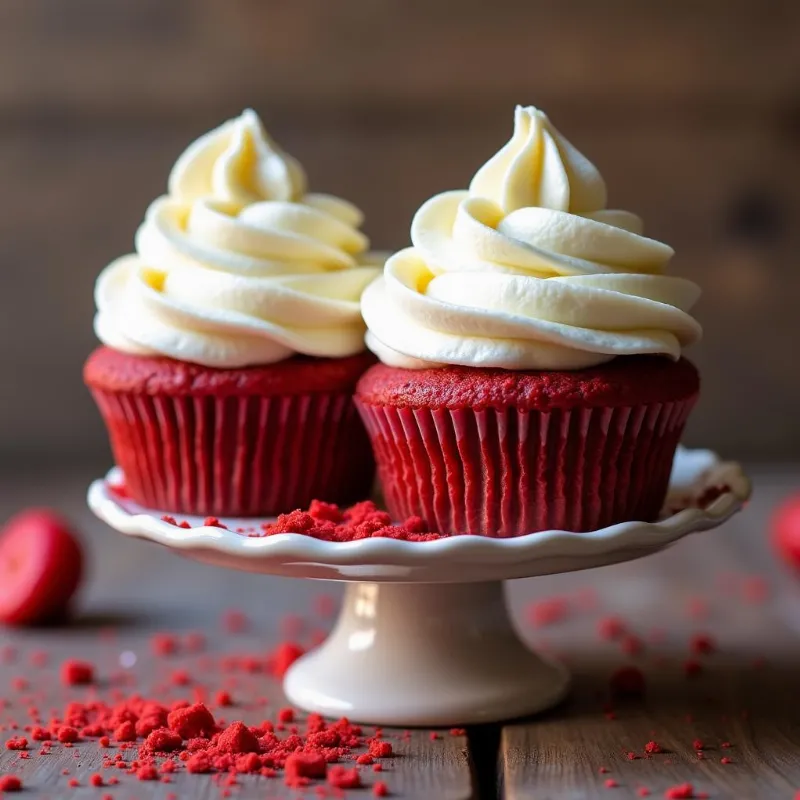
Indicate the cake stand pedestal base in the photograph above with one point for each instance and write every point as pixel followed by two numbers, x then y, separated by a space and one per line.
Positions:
pixel 425 654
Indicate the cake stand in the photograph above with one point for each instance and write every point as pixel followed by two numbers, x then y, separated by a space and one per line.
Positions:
pixel 424 636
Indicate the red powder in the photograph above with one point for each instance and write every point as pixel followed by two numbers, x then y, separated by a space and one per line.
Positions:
pixel 380 749
pixel 683 791
pixel 223 698
pixel 365 759
pixel 627 682
pixel 17 743
pixel 631 756
pixel 726 760
pixel 284 655
pixel 125 732
pixel 603 770
pixel 76 673
pixel 237 738
pixel 199 763
pixel 610 783
pixel 10 783
pixel 458 731
pixel 96 780
pixel 39 734
pixel 380 789
pixel 342 778
pixel 286 715
pixel 698 744
pixel 702 644
pixel 653 747
pixel 192 722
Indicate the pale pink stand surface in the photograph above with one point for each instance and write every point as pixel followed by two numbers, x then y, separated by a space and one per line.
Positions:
pixel 424 636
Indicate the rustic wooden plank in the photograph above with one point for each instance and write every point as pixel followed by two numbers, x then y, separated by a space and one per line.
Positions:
pixel 182 55
pixel 138 589
pixel 700 586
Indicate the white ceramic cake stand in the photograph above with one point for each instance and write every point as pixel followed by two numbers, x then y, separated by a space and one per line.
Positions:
pixel 424 636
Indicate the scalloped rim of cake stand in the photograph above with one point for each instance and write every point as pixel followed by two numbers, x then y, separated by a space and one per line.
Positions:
pixel 458 559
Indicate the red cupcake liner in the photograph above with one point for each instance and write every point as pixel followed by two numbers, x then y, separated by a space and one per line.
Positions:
pixel 238 456
pixel 508 472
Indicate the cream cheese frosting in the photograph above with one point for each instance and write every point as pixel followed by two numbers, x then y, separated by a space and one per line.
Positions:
pixel 237 264
pixel 528 269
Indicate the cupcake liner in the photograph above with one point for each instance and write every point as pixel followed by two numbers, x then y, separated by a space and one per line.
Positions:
pixel 508 472
pixel 238 456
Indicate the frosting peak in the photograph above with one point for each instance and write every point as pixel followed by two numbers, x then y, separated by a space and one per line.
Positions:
pixel 539 167
pixel 528 270
pixel 237 265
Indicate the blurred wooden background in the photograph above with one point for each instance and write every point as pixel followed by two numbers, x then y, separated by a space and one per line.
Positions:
pixel 690 108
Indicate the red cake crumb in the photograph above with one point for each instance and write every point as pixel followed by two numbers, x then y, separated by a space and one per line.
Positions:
pixel 17 743
pixel 548 611
pixel 610 783
pixel 365 759
pixel 631 756
pixel 380 749
pixel 603 770
pixel 698 744
pixel 702 644
pixel 627 682
pixel 726 760
pixel 39 734
pixel 104 741
pixel 380 789
pixel 96 780
pixel 67 735
pixel 126 732
pixel 162 740
pixel 284 655
pixel 458 731
pixel 611 628
pixel 300 767
pixel 286 715
pixel 223 699
pixel 147 773
pixel 73 783
pixel 237 738
pixel 76 673
pixel 164 644
pixel 342 778
pixel 683 791
pixel 199 763
pixel 653 747
pixel 377 767
pixel 10 783
pixel 192 722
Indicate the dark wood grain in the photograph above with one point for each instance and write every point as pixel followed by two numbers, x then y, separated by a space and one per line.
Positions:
pixel 137 589
pixel 743 695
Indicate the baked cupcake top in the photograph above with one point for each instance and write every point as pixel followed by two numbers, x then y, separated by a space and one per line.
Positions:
pixel 528 270
pixel 237 265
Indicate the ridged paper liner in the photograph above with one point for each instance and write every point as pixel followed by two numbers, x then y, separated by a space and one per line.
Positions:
pixel 508 472
pixel 238 456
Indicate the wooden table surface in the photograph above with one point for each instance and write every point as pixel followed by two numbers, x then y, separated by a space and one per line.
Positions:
pixel 744 703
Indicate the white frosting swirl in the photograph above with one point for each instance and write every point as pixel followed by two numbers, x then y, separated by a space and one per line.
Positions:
pixel 237 265
pixel 528 270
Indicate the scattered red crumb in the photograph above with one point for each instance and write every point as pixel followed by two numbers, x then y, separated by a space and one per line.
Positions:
pixel 683 791
pixel 726 760
pixel 286 715
pixel 433 736
pixel 603 770
pixel 702 644
pixel 164 644
pixel 126 732
pixel 361 521
pixel 192 722
pixel 698 744
pixel 342 778
pixel 631 645
pixel 73 783
pixel 631 756
pixel 282 657
pixel 610 783
pixel 104 741
pixel 235 621
pixel 548 611
pixel 17 743
pixel 10 783
pixel 180 677
pixel 198 763
pixel 67 735
pixel 237 738
pixel 223 699
pixel 377 767
pixel 301 767
pixel 147 772
pixel 77 673
pixel 726 745
pixel 458 731
pixel 162 740
pixel 692 668
pixel 96 780
pixel 653 747
pixel 380 789
pixel 611 628
pixel 365 759
pixel 627 682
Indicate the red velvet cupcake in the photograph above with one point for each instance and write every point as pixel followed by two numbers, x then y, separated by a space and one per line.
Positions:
pixel 234 338
pixel 500 453
pixel 241 442
pixel 532 376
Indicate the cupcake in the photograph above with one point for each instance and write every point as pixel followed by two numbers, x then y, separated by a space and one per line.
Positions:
pixel 531 374
pixel 233 338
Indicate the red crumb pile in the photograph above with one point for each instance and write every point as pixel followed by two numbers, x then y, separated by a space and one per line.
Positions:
pixel 328 522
